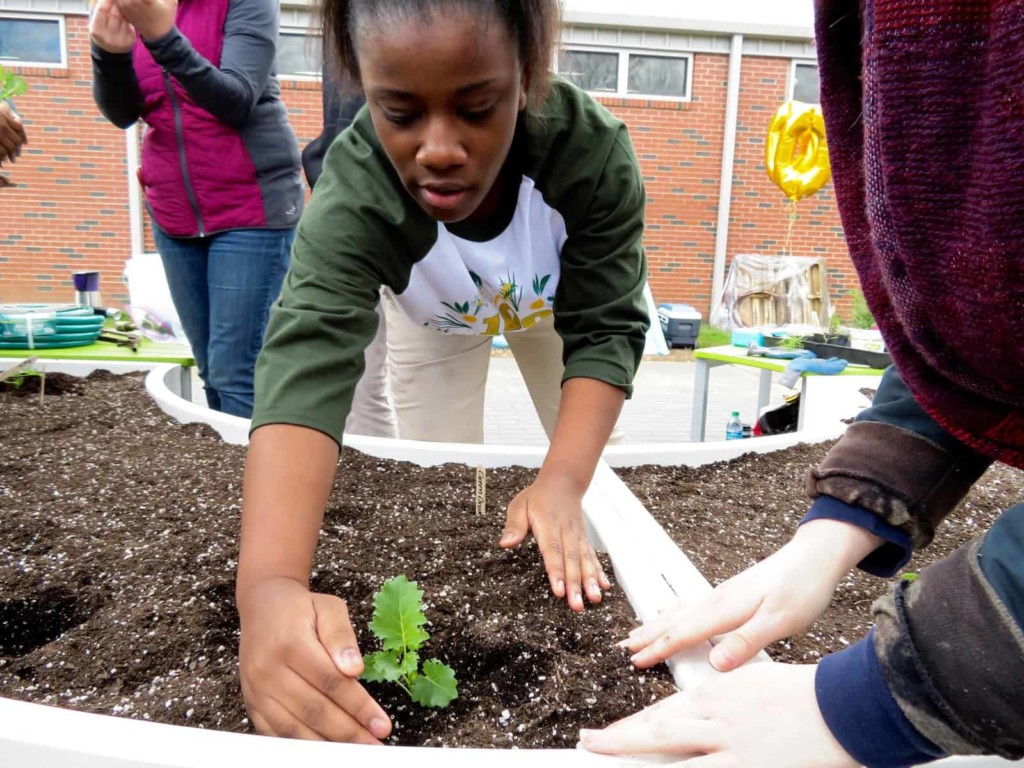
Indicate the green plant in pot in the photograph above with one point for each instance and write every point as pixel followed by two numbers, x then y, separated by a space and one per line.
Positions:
pixel 792 342
pixel 863 329
pixel 834 334
pixel 862 317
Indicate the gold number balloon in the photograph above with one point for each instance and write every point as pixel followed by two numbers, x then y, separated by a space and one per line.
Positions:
pixel 796 154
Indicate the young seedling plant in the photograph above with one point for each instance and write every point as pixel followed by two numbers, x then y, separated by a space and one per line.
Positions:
pixel 792 342
pixel 397 622
pixel 17 375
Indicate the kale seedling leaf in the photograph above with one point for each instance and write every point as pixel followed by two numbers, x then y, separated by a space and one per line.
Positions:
pixel 436 687
pixel 398 618
pixel 398 621
pixel 381 666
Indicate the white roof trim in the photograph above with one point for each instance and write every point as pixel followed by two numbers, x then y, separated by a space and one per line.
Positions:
pixel 664 23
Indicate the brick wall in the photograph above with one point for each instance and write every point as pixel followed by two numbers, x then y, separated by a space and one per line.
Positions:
pixel 759 215
pixel 679 147
pixel 680 151
pixel 70 210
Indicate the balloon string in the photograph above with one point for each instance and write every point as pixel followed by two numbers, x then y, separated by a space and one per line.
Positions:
pixel 786 249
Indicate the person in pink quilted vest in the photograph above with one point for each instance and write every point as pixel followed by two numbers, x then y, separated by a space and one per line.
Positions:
pixel 220 165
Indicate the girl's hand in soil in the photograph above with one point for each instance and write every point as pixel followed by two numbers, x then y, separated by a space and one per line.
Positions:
pixel 762 714
pixel 299 664
pixel 553 506
pixel 781 596
pixel 109 29
pixel 552 509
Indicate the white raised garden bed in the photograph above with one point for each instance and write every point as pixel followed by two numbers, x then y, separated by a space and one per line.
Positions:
pixel 651 570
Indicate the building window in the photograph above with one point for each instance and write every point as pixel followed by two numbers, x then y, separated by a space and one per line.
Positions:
pixel 627 73
pixel 590 70
pixel 657 75
pixel 299 55
pixel 804 82
pixel 32 40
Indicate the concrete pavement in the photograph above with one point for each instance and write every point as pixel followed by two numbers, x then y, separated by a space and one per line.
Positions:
pixel 661 407
pixel 659 411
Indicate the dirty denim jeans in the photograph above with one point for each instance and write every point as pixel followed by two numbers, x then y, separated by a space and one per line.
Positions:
pixel 222 287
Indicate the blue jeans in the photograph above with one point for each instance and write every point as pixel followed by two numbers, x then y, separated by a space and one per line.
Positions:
pixel 222 287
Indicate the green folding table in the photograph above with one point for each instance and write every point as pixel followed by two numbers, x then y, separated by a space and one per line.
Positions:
pixel 729 355
pixel 108 352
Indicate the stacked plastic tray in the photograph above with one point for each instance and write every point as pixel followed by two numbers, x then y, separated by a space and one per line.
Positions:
pixel 48 326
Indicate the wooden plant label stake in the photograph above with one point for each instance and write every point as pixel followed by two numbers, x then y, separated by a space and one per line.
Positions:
pixel 481 491
pixel 42 386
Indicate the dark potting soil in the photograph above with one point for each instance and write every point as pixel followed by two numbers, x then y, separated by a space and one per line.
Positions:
pixel 118 547
pixel 728 516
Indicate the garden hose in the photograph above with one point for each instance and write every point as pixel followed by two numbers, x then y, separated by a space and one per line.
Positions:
pixel 48 326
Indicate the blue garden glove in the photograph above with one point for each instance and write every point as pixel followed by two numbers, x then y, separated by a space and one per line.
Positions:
pixel 795 369
pixel 777 353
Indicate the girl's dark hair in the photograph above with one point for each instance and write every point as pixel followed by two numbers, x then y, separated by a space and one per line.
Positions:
pixel 534 23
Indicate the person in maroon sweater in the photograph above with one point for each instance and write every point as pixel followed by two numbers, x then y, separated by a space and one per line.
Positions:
pixel 924 109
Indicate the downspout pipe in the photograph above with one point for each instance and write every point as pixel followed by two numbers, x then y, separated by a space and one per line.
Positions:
pixel 732 100
pixel 135 211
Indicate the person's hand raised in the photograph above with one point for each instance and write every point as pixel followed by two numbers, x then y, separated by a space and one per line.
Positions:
pixel 151 18
pixel 109 29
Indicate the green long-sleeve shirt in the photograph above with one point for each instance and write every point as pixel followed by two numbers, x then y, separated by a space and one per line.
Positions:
pixel 567 245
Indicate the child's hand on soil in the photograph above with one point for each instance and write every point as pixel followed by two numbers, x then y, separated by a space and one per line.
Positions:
pixel 762 714
pixel 299 664
pixel 780 596
pixel 553 510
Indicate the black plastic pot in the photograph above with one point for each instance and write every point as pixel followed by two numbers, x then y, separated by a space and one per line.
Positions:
pixel 851 355
pixel 837 339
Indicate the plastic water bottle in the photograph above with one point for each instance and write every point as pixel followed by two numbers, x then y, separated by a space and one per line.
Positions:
pixel 734 429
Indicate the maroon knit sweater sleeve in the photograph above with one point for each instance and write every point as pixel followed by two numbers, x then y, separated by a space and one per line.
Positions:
pixel 924 111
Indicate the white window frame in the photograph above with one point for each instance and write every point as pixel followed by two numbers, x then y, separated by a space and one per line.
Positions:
pixel 622 86
pixel 61 25
pixel 791 87
pixel 305 33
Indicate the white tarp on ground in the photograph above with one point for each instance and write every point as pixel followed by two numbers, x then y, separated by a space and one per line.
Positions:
pixel 655 343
